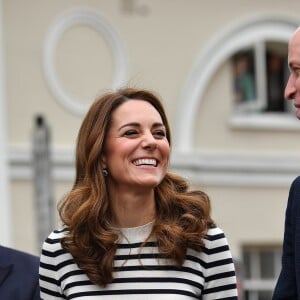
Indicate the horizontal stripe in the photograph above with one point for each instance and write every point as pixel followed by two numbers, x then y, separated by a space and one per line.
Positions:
pixel 220 276
pixel 51 293
pixel 143 271
pixel 219 288
pixel 131 292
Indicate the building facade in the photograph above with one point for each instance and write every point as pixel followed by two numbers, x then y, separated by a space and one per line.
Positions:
pixel 220 68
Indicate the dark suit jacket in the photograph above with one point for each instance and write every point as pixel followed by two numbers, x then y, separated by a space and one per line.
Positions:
pixel 288 284
pixel 18 275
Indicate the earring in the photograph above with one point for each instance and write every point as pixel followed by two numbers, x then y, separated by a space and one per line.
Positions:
pixel 105 172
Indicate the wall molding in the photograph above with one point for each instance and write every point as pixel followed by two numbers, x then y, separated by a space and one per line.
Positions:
pixel 111 36
pixel 230 169
pixel 236 169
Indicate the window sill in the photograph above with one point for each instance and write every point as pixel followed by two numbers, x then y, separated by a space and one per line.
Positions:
pixel 266 121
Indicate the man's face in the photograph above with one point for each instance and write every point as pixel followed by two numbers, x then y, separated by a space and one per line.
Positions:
pixel 292 89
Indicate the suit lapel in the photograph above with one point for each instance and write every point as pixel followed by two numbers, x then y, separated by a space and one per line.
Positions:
pixel 4 271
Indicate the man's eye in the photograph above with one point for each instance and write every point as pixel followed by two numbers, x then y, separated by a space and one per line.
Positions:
pixel 296 71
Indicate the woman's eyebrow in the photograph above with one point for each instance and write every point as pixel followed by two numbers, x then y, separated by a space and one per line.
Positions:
pixel 158 124
pixel 135 124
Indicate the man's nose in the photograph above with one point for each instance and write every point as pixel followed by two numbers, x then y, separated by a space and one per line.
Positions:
pixel 290 89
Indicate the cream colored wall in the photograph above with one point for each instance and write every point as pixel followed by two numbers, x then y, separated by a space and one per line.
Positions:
pixel 23 217
pixel 249 216
pixel 5 211
pixel 161 47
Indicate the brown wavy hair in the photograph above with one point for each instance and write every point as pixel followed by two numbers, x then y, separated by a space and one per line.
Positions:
pixel 182 216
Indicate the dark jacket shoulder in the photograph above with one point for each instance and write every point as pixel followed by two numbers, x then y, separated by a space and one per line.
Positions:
pixel 19 277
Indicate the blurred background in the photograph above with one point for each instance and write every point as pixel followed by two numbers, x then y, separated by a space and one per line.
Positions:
pixel 220 68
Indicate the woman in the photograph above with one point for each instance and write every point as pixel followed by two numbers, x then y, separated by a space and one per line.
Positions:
pixel 131 228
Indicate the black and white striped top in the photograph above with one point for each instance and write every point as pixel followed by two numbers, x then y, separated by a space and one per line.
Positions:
pixel 142 273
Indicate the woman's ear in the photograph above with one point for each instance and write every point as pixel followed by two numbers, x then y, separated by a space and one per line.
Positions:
pixel 103 161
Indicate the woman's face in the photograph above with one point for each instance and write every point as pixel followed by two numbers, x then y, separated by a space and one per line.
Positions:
pixel 136 150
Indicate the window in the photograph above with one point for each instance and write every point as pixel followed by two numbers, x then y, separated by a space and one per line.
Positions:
pixel 261 267
pixel 260 73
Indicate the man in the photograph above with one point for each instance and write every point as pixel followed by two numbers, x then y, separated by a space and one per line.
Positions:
pixel 18 275
pixel 288 284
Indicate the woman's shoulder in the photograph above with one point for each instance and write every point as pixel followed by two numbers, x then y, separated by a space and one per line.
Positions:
pixel 215 229
pixel 58 233
pixel 215 236
pixel 216 247
pixel 53 241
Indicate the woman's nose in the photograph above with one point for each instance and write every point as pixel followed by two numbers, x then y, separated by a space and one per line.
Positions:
pixel 149 141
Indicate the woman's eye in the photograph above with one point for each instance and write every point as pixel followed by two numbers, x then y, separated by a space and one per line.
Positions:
pixel 160 133
pixel 131 132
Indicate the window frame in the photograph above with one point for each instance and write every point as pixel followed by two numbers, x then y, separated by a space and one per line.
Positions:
pixel 255 283
pixel 251 115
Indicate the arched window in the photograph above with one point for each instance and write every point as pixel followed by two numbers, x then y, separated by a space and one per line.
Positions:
pixel 262 42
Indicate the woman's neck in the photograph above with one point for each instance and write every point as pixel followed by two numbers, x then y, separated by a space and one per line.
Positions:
pixel 132 209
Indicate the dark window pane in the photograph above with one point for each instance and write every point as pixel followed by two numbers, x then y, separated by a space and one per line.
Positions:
pixel 264 295
pixel 247 295
pixel 247 264
pixel 267 264
pixel 276 60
